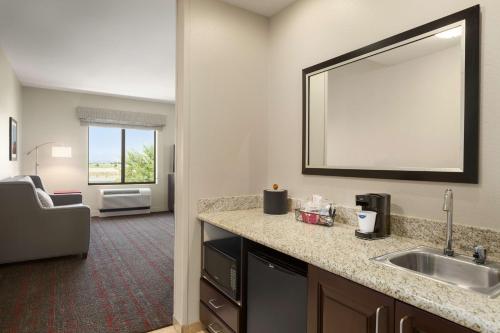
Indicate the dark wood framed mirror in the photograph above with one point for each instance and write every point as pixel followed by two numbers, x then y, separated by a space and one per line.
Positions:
pixel 406 107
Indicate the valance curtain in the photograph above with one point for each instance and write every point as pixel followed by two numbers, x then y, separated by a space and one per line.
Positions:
pixel 124 119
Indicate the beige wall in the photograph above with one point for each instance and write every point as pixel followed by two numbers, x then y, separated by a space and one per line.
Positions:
pixel 50 116
pixel 222 119
pixel 10 106
pixel 239 111
pixel 311 31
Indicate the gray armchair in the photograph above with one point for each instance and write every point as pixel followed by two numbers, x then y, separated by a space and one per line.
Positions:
pixel 28 231
pixel 58 199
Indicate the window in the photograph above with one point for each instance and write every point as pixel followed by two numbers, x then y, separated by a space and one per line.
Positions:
pixel 139 156
pixel 121 156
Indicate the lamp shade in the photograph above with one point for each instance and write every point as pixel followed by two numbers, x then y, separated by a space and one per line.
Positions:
pixel 61 151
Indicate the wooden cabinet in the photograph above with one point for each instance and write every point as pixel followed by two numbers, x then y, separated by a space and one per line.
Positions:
pixel 220 305
pixel 337 305
pixel 213 323
pixel 409 319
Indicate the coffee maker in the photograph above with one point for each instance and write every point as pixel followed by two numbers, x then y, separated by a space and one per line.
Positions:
pixel 381 204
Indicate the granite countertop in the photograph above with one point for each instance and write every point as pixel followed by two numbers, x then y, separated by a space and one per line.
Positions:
pixel 337 250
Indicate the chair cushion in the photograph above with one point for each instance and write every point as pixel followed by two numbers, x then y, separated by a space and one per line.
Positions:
pixel 44 198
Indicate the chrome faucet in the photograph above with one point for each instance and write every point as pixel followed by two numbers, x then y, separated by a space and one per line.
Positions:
pixel 448 208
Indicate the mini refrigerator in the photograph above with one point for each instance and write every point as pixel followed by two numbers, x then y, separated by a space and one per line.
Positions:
pixel 277 295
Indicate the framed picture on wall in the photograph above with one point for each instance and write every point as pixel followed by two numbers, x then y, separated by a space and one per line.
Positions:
pixel 12 139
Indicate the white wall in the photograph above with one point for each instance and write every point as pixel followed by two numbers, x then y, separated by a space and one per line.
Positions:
pixel 222 118
pixel 10 106
pixel 50 116
pixel 311 31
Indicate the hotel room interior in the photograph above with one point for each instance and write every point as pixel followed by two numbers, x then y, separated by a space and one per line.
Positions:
pixel 249 166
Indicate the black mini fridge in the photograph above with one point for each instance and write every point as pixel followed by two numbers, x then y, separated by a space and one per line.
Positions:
pixel 277 295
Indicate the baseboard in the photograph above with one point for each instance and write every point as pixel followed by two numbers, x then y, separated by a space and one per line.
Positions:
pixel 191 328
pixel 157 209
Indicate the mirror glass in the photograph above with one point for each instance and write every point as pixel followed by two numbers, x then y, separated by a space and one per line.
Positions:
pixel 397 108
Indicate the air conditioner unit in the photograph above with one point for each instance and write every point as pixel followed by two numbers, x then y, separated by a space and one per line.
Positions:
pixel 129 201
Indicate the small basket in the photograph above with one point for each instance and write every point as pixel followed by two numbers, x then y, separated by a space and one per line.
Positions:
pixel 315 218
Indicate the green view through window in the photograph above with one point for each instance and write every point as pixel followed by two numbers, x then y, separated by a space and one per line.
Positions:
pixel 121 156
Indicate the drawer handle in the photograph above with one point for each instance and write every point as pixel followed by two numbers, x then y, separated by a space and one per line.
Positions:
pixel 402 324
pixel 377 319
pixel 211 328
pixel 213 304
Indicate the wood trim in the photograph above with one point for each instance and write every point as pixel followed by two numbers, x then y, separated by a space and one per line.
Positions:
pixel 195 327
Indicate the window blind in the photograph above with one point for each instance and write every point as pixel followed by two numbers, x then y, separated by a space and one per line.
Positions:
pixel 116 118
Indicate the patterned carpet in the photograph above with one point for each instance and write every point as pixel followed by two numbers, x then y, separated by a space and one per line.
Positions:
pixel 125 284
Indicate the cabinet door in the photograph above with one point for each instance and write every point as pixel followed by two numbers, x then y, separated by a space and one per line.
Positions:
pixel 337 305
pixel 409 319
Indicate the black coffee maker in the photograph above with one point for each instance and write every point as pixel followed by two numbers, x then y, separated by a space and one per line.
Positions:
pixel 380 203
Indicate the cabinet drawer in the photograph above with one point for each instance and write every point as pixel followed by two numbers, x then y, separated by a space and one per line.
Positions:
pixel 220 305
pixel 212 322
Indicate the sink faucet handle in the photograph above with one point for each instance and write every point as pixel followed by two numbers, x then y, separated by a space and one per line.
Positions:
pixel 479 254
pixel 448 200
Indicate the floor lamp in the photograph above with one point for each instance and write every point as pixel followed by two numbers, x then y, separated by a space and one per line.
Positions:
pixel 57 151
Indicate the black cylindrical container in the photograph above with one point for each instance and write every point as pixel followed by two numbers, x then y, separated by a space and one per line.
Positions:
pixel 275 202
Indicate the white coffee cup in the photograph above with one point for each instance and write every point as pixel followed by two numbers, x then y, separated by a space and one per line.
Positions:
pixel 366 220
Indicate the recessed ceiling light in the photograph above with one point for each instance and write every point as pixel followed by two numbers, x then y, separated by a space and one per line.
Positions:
pixel 450 33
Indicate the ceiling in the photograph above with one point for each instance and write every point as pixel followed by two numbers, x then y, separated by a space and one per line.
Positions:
pixel 116 47
pixel 263 7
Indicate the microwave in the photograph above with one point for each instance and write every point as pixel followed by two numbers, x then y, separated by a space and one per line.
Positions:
pixel 221 264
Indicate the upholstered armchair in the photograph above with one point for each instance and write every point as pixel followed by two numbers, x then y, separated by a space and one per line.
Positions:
pixel 30 231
